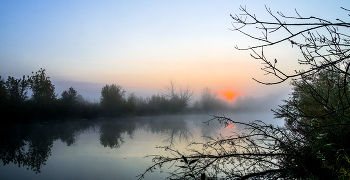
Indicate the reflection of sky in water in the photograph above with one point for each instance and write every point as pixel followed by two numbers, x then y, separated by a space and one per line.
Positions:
pixel 87 158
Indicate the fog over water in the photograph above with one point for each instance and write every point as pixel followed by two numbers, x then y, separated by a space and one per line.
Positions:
pixel 105 148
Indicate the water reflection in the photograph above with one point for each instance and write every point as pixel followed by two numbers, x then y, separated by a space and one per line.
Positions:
pixel 30 146
pixel 170 128
pixel 111 131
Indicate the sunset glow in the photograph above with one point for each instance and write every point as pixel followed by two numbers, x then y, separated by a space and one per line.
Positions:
pixel 141 45
pixel 229 95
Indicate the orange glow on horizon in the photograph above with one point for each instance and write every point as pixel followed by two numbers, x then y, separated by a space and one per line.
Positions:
pixel 229 95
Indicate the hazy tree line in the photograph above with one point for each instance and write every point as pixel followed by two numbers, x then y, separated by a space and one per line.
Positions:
pixel 44 104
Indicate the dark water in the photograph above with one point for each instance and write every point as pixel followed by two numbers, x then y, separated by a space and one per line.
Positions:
pixel 103 148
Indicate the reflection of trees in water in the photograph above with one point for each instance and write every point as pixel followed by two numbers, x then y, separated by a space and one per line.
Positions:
pixel 170 128
pixel 111 132
pixel 40 143
pixel 206 130
pixel 30 145
pixel 213 129
pixel 209 130
pixel 12 145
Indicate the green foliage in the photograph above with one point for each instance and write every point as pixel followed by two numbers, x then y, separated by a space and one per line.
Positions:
pixel 318 110
pixel 320 97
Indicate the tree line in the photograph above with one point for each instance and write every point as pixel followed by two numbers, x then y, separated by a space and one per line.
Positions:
pixel 43 104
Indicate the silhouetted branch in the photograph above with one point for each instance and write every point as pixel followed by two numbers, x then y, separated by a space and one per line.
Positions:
pixel 337 44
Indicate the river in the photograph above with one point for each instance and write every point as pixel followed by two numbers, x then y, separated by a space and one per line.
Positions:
pixel 104 148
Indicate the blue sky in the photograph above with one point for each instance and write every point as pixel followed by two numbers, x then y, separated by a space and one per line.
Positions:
pixel 140 45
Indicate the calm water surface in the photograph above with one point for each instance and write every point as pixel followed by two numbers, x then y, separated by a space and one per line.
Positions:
pixel 104 148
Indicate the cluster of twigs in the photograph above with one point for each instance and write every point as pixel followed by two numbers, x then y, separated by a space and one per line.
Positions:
pixel 254 152
pixel 329 48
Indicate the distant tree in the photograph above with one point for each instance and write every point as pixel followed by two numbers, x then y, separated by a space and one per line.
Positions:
pixel 42 88
pixel 69 103
pixel 3 96
pixel 185 95
pixel 17 90
pixel 70 96
pixel 179 97
pixel 158 104
pixel 210 102
pixel 3 90
pixel 208 99
pixel 13 93
pixel 43 95
pixel 130 106
pixel 112 99
pixel 139 101
pixel 80 99
pixel 197 105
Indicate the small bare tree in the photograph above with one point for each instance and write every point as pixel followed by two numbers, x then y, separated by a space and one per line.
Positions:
pixel 181 95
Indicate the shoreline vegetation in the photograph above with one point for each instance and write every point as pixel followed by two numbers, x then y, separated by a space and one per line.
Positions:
pixel 44 105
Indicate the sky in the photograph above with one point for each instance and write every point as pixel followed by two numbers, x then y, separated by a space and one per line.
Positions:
pixel 141 45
